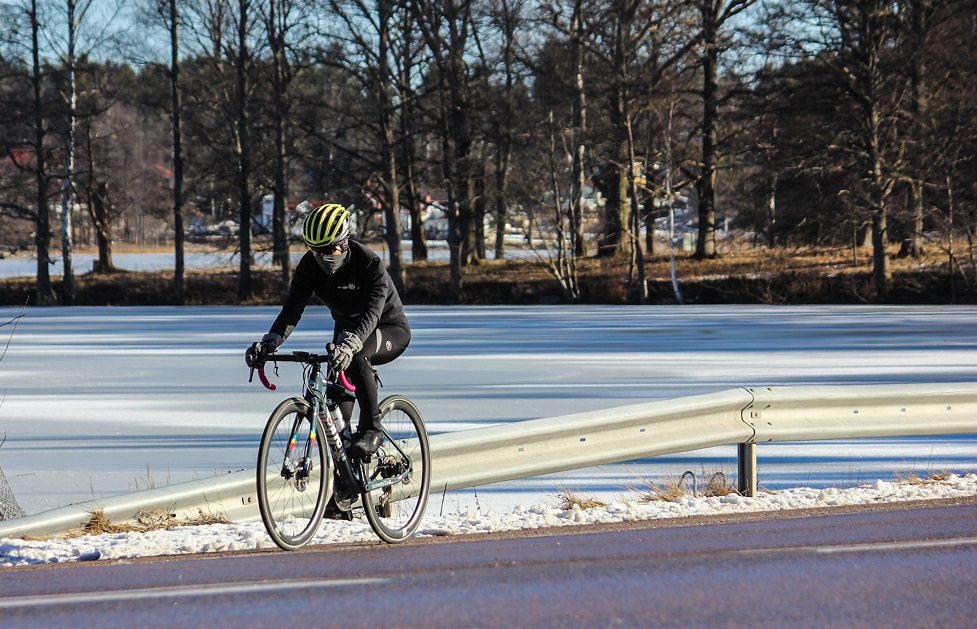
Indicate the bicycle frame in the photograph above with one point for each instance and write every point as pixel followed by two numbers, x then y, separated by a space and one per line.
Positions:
pixel 327 410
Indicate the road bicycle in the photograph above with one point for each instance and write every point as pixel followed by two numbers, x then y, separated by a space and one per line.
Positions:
pixel 299 474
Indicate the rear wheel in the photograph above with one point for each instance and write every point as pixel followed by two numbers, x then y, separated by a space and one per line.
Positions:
pixel 395 510
pixel 294 476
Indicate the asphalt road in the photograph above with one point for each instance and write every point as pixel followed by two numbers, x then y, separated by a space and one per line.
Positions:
pixel 884 567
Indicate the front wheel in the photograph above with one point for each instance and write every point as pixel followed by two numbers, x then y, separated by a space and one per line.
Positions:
pixel 295 477
pixel 400 471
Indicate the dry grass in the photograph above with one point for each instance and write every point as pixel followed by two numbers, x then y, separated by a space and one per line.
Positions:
pixel 152 480
pixel 911 478
pixel 719 485
pixel 145 521
pixel 99 524
pixel 203 519
pixel 669 488
pixel 568 498
pixel 672 487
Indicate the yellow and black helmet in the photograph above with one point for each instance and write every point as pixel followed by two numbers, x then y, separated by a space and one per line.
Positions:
pixel 326 225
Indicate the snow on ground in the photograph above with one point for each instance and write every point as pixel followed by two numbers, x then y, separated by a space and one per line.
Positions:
pixel 237 537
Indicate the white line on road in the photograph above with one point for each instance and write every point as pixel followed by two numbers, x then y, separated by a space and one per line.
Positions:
pixel 906 545
pixel 181 591
pixel 865 547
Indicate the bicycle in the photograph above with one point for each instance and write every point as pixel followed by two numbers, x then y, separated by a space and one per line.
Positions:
pixel 298 475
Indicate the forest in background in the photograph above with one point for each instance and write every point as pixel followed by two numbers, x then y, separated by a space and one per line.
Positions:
pixel 601 132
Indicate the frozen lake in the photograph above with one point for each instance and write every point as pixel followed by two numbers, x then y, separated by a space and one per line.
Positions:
pixel 102 401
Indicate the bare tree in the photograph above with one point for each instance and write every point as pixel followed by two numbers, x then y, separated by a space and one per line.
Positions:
pixel 168 16
pixel 240 54
pixel 226 36
pixel 447 30
pixel 571 24
pixel 864 28
pixel 507 20
pixel 920 29
pixel 577 34
pixel 107 133
pixel 669 194
pixel 369 31
pixel 36 122
pixel 95 191
pixel 631 45
pixel 74 19
pixel 45 294
pixel 615 45
pixel 284 28
pixel 169 12
pixel 407 58
pixel 75 23
pixel 60 33
pixel 620 58
pixel 716 16
pixel 562 259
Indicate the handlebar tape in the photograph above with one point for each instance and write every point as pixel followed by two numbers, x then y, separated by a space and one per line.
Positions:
pixel 264 379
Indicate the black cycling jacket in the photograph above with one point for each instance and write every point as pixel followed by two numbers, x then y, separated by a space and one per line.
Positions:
pixel 360 295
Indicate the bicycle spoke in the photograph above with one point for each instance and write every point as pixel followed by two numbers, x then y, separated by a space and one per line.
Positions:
pixel 396 511
pixel 294 476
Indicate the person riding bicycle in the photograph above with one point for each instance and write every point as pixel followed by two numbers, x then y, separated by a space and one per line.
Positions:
pixel 370 325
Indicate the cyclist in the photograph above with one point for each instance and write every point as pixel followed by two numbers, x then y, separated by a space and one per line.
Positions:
pixel 370 325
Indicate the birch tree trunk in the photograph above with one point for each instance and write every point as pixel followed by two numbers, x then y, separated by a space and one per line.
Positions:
pixel 42 230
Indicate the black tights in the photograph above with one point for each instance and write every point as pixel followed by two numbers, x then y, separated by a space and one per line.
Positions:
pixel 384 345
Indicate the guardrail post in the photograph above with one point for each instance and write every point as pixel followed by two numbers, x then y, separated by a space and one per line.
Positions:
pixel 746 469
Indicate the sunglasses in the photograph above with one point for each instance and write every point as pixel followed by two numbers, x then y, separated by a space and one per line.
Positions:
pixel 333 249
pixel 325 252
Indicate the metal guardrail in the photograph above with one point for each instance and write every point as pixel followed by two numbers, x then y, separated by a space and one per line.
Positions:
pixel 815 413
pixel 742 417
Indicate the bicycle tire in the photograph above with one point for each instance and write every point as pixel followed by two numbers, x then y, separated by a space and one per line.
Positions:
pixel 395 512
pixel 291 503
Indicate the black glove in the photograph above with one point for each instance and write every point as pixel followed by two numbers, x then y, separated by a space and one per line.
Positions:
pixel 256 354
pixel 344 350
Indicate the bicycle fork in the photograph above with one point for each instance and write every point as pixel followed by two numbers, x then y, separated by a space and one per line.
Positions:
pixel 303 468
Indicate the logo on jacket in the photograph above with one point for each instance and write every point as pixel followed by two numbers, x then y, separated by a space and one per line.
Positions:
pixel 350 286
